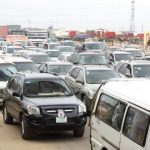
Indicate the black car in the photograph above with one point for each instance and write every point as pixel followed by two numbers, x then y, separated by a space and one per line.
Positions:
pixel 42 103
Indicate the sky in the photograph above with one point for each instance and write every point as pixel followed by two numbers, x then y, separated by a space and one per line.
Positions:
pixel 76 14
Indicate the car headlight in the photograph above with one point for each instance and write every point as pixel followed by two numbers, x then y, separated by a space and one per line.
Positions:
pixel 32 110
pixel 91 94
pixel 82 108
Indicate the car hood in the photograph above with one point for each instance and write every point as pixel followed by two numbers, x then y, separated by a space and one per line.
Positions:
pixel 3 84
pixel 42 101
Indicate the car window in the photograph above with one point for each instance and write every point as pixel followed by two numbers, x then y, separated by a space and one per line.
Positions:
pixel 75 72
pixel 13 84
pixel 136 125
pixel 81 75
pixel 110 111
pixel 122 68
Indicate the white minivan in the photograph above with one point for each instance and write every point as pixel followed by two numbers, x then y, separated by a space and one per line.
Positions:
pixel 120 118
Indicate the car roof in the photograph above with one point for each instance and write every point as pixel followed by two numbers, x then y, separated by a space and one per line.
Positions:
pixel 135 91
pixel 120 52
pixel 52 50
pixel 90 53
pixel 138 62
pixel 132 49
pixel 37 75
pixel 96 67
pixel 16 59
pixel 58 63
pixel 36 53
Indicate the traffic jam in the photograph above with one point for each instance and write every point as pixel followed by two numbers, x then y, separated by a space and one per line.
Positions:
pixel 50 84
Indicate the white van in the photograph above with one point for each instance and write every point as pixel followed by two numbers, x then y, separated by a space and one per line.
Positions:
pixel 120 118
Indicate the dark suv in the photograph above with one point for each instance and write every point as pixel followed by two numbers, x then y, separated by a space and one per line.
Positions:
pixel 42 103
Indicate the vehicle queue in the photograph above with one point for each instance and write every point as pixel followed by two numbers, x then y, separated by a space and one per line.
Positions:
pixel 58 86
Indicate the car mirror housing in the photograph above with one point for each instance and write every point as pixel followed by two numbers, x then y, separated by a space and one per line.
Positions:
pixel 78 80
pixel 16 94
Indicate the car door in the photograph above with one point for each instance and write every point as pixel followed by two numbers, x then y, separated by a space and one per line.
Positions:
pixel 135 131
pixel 13 102
pixel 71 78
pixel 79 82
pixel 106 123
pixel 17 100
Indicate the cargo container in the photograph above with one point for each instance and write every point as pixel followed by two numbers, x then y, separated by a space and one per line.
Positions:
pixel 109 35
pixel 7 29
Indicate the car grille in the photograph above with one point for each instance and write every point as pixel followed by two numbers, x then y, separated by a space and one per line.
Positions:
pixel 69 110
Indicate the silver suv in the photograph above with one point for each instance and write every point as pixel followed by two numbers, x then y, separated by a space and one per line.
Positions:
pixel 86 79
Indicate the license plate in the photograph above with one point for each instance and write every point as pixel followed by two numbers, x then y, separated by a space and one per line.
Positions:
pixel 61 119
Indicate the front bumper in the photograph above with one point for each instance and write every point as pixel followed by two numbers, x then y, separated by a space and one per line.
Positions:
pixel 46 124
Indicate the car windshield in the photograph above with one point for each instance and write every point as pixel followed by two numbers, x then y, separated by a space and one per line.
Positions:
pixel 38 59
pixel 68 44
pixel 52 46
pixel 97 76
pixel 92 46
pixel 141 70
pixel 120 57
pixel 26 66
pixel 66 49
pixel 60 69
pixel 135 53
pixel 92 60
pixel 10 50
pixel 6 71
pixel 53 53
pixel 46 88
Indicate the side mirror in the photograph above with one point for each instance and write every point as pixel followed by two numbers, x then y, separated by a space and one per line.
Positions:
pixel 41 71
pixel 76 92
pixel 75 62
pixel 78 80
pixel 128 75
pixel 16 94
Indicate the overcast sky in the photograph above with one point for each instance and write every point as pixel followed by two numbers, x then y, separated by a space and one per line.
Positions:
pixel 76 14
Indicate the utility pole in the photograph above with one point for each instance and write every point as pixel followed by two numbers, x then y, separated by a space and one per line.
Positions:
pixel 132 27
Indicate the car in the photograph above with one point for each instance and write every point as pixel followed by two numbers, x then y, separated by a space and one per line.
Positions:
pixel 9 50
pixel 6 71
pixel 52 45
pixel 68 43
pixel 53 54
pixel 135 68
pixel 91 46
pixel 58 68
pixel 42 103
pixel 136 53
pixel 22 64
pixel 37 57
pixel 120 116
pixel 88 58
pixel 65 49
pixel 64 56
pixel 116 56
pixel 86 80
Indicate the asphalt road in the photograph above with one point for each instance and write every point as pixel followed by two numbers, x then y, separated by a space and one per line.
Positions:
pixel 10 139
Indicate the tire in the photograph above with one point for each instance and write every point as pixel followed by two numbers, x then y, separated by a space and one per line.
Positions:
pixel 25 130
pixel 79 132
pixel 8 119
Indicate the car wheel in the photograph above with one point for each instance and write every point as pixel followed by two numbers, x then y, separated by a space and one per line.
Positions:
pixel 8 119
pixel 25 130
pixel 79 132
